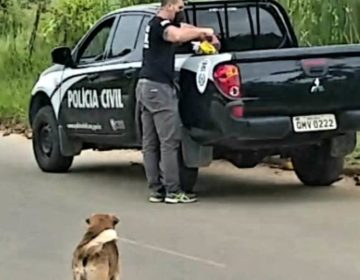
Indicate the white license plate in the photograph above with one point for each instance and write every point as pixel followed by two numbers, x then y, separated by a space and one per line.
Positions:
pixel 314 123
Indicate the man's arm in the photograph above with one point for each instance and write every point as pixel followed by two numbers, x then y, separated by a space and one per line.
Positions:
pixel 214 40
pixel 186 25
pixel 181 35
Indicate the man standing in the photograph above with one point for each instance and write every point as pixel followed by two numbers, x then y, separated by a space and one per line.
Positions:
pixel 158 103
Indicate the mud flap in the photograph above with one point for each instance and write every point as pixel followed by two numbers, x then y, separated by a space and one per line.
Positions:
pixel 343 145
pixel 68 147
pixel 194 154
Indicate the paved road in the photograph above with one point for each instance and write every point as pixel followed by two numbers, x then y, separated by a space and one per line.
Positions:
pixel 250 224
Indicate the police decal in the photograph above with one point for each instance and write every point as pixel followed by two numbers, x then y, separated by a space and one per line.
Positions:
pixel 90 99
pixel 146 37
pixel 202 75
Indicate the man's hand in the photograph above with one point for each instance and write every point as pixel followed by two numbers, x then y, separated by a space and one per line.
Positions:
pixel 208 32
pixel 215 41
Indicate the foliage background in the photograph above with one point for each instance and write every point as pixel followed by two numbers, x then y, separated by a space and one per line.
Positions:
pixel 29 29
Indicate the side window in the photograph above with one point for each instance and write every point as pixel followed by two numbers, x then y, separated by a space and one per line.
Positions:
pixel 94 47
pixel 270 35
pixel 240 36
pixel 125 35
pixel 203 18
pixel 208 18
pixel 268 25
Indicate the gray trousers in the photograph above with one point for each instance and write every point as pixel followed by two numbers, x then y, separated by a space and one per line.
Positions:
pixel 161 133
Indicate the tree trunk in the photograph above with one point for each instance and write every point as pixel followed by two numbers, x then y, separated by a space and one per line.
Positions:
pixel 34 30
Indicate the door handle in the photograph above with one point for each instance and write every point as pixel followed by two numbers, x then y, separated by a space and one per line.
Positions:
pixel 129 73
pixel 93 77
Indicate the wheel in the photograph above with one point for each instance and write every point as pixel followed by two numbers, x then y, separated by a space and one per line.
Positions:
pixel 46 143
pixel 188 176
pixel 315 166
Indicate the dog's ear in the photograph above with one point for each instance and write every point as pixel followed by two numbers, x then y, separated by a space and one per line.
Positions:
pixel 115 220
pixel 88 219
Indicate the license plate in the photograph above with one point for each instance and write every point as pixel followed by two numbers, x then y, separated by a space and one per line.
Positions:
pixel 314 123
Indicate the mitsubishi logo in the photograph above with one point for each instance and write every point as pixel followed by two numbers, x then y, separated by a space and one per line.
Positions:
pixel 317 87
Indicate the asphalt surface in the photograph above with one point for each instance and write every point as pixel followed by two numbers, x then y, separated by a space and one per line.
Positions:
pixel 248 224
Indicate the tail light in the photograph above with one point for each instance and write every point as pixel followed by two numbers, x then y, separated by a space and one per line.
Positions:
pixel 227 78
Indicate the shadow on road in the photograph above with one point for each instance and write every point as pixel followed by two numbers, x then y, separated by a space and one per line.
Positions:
pixel 213 186
pixel 111 170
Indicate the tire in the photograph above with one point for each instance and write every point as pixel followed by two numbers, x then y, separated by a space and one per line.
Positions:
pixel 188 176
pixel 315 166
pixel 46 143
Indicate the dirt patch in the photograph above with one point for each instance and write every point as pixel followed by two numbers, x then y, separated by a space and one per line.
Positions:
pixel 9 127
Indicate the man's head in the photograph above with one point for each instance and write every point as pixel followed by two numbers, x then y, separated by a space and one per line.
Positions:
pixel 173 9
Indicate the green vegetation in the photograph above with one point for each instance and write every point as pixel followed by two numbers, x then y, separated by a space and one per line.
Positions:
pixel 29 29
pixel 328 22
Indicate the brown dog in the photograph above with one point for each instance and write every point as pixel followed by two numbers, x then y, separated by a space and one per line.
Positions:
pixel 97 256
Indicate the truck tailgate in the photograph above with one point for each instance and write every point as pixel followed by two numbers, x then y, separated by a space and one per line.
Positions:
pixel 300 81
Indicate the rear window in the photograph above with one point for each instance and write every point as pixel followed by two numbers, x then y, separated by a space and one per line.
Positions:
pixel 245 30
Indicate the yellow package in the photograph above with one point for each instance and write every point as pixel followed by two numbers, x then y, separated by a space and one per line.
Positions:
pixel 204 47
pixel 207 48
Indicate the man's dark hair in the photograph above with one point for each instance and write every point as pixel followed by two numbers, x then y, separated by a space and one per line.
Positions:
pixel 167 2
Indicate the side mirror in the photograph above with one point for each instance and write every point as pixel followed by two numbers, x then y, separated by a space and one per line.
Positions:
pixel 62 56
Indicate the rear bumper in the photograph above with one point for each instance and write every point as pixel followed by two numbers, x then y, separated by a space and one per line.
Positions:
pixel 270 130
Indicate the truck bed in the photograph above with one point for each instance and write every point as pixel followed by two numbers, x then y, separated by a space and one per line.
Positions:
pixel 300 80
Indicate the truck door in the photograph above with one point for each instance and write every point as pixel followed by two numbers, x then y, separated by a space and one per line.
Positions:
pixel 81 91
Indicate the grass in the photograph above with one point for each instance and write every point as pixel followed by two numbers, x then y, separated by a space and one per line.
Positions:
pixel 18 76
pixel 17 71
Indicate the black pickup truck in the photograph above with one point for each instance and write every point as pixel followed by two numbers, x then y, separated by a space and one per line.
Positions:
pixel 261 95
